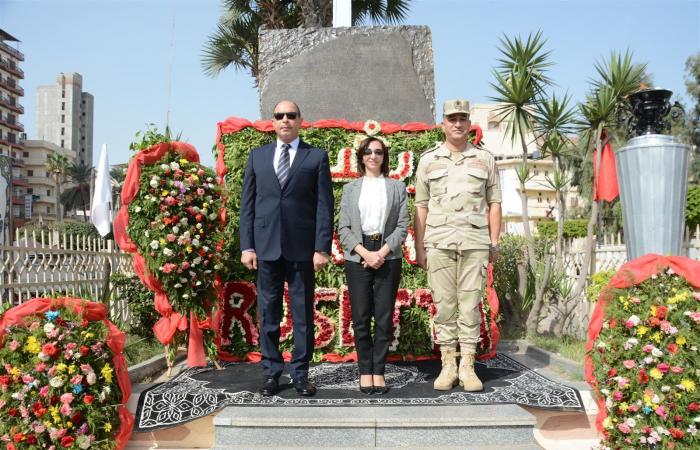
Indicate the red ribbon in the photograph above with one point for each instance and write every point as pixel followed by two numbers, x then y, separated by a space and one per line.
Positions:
pixel 116 339
pixel 492 298
pixel 631 274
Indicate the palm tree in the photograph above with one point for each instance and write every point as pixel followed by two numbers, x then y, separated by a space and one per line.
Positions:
pixel 604 108
pixel 521 78
pixel 235 41
pixel 78 196
pixel 57 165
pixel 117 175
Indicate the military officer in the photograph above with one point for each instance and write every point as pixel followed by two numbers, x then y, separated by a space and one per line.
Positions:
pixel 457 187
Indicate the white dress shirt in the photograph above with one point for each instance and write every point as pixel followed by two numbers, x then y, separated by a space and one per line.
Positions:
pixel 278 151
pixel 372 204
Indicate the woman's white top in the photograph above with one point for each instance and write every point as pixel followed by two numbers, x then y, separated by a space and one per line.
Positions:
pixel 372 204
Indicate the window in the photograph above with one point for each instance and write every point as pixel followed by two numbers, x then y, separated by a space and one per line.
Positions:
pixel 539 197
pixel 63 131
pixel 15 210
pixel 30 173
pixel 63 118
pixel 63 143
pixel 48 192
pixel 48 210
pixel 25 154
pixel 63 93
pixel 546 173
pixel 63 106
pixel 30 190
pixel 82 161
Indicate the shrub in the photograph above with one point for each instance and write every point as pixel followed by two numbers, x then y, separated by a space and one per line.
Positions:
pixel 573 228
pixel 139 300
pixel 597 282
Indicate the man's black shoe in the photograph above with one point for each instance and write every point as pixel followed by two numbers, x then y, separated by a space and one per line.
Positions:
pixel 304 387
pixel 270 387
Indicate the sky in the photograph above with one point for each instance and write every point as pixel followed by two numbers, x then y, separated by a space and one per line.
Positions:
pixel 141 59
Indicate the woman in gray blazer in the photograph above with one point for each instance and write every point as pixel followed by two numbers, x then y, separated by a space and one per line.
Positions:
pixel 372 227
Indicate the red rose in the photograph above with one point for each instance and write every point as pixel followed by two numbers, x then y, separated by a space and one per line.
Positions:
pixel 77 418
pixel 67 441
pixel 654 322
pixel 84 350
pixel 661 312
pixel 199 217
pixel 643 377
pixel 54 400
pixel 12 412
pixel 673 348
pixel 11 446
pixel 31 439
pixel 88 399
pixel 678 418
pixel 693 407
pixel 5 380
pixel 38 409
pixel 612 372
pixel 612 324
pixel 84 323
pixel 18 437
pixel 676 433
pixel 50 350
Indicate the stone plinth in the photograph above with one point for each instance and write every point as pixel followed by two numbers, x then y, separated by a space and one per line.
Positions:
pixel 354 73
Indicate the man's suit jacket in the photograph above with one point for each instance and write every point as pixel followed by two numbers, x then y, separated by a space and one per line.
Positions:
pixel 291 221
pixel 395 226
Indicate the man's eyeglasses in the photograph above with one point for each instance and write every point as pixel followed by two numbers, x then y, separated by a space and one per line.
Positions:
pixel 377 152
pixel 280 115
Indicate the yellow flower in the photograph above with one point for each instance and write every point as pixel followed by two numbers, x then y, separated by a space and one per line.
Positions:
pixel 32 345
pixel 680 340
pixel 183 161
pixel 69 424
pixel 60 367
pixel 607 423
pixel 655 373
pixel 164 193
pixel 194 178
pixel 624 406
pixel 689 385
pixel 15 372
pixel 72 369
pixel 653 310
pixel 188 249
pixel 680 297
pixel 108 427
pixel 47 423
pixel 205 205
pixel 656 337
pixel 107 373
pixel 162 241
pixel 642 330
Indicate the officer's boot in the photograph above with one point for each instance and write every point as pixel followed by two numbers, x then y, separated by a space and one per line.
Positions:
pixel 448 375
pixel 467 376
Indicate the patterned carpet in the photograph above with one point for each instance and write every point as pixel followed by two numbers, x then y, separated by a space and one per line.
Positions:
pixel 197 392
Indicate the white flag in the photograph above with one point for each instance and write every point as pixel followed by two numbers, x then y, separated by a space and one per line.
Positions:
pixel 101 213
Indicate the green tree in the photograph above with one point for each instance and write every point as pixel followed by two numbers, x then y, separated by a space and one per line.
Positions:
pixel 78 196
pixel 57 165
pixel 691 131
pixel 520 80
pixel 234 43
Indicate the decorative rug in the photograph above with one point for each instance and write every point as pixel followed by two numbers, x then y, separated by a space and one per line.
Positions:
pixel 199 391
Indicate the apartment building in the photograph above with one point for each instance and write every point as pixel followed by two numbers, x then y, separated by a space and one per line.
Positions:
pixel 13 210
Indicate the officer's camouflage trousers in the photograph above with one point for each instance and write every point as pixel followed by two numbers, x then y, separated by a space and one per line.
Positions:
pixel 457 279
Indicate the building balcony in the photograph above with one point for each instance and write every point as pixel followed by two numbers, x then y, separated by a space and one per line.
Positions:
pixel 21 182
pixel 17 200
pixel 12 51
pixel 16 107
pixel 13 144
pixel 13 69
pixel 14 125
pixel 12 87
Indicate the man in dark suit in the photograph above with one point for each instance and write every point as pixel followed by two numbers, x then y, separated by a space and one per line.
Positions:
pixel 286 229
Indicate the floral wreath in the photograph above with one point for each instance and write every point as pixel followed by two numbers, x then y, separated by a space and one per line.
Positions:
pixel 170 220
pixel 64 380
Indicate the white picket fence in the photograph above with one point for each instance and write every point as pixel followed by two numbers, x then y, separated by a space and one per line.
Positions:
pixel 47 263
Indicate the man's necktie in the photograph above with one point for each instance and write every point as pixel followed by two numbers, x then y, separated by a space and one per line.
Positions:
pixel 283 165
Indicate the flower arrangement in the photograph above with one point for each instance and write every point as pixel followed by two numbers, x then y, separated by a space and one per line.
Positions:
pixel 643 360
pixel 63 378
pixel 173 224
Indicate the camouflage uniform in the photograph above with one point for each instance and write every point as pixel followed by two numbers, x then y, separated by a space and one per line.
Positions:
pixel 457 189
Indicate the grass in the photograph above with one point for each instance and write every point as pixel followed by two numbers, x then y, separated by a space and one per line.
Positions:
pixel 566 346
pixel 139 349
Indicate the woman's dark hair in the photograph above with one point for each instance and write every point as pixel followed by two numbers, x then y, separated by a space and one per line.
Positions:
pixel 361 151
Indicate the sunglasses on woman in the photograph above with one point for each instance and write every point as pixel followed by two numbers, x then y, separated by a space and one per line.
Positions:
pixel 280 115
pixel 377 152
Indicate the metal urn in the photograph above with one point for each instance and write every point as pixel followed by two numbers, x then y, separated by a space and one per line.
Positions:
pixel 653 177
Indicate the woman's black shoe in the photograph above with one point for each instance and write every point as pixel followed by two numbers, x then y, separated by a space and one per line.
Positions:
pixel 367 389
pixel 381 390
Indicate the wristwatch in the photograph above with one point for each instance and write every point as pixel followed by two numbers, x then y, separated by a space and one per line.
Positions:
pixel 493 248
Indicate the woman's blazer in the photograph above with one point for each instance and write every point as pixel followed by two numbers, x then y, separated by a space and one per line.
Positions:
pixel 395 226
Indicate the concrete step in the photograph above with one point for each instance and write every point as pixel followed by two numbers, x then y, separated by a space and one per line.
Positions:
pixel 468 427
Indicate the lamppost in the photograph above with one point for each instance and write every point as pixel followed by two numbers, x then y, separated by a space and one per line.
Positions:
pixel 653 177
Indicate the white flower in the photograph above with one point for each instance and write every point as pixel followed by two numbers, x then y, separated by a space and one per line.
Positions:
pixel 665 388
pixel 164 167
pixel 177 285
pixel 182 280
pixel 648 360
pixel 185 295
pixel 56 382
pixel 174 165
pixel 631 422
pixel 155 182
pixel 155 244
pixel 696 419
pixel 49 327
pixel 212 216
pixel 372 127
pixel 137 209
pixel 195 242
pixel 176 229
pixel 199 225
pixel 83 441
pixel 43 357
pixel 147 233
pixel 655 399
pixel 197 260
pixel 634 320
pixel 168 252
pixel 198 283
pixel 218 266
pixel 183 221
pixel 656 352
pixel 91 378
